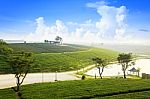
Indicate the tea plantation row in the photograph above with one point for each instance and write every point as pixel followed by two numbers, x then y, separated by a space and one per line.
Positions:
pixel 86 89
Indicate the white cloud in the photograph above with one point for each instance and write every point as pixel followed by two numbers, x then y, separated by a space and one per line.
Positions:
pixel 110 26
pixel 80 33
pixel 43 32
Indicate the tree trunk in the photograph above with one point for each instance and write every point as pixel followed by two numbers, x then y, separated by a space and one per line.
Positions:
pixel 138 74
pixel 124 72
pixel 95 75
pixel 100 72
pixel 101 77
pixel 17 89
pixel 18 84
pixel 19 95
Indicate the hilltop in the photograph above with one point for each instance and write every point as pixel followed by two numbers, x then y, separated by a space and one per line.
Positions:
pixel 46 47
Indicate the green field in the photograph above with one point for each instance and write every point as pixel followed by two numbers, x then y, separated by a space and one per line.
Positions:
pixel 70 59
pixel 45 47
pixel 96 89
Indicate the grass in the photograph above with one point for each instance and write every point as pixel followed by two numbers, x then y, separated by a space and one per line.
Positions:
pixel 51 62
pixel 105 88
pixel 66 60
pixel 45 47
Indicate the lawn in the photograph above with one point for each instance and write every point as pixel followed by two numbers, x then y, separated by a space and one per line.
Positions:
pixel 51 62
pixel 131 88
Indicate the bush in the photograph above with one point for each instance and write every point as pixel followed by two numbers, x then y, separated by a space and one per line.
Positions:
pixel 83 77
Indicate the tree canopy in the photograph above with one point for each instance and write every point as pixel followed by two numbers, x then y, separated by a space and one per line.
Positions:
pixel 58 38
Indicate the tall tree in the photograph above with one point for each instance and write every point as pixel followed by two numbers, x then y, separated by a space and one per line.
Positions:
pixel 100 64
pixel 20 64
pixel 125 60
pixel 59 39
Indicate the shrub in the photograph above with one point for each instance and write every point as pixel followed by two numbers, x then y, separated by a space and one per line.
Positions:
pixel 83 77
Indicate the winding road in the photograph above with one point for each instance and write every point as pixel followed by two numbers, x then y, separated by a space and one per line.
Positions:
pixel 9 80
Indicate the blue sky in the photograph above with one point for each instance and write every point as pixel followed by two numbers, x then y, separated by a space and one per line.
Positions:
pixel 18 17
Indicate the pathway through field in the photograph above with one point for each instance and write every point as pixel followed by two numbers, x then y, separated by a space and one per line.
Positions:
pixel 9 80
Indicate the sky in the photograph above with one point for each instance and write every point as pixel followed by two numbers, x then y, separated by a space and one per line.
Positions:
pixel 76 21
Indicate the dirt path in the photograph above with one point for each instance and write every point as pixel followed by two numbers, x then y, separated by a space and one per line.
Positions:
pixel 8 80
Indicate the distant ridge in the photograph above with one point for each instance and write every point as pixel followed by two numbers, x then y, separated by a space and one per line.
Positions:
pixel 14 41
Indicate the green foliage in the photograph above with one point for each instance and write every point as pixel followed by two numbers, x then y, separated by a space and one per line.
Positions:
pixel 4 49
pixel 20 63
pixel 99 62
pixel 124 58
pixel 84 88
pixel 2 42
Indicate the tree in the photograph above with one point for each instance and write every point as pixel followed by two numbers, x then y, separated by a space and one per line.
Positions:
pixel 4 49
pixel 100 64
pixel 20 64
pixel 138 71
pixel 2 42
pixel 125 60
pixel 59 39
pixel 45 41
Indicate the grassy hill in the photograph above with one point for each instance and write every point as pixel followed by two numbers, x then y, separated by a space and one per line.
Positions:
pixel 69 61
pixel 86 89
pixel 71 57
pixel 46 47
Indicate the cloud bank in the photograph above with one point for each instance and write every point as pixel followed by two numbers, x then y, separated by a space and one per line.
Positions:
pixel 43 32
pixel 110 27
